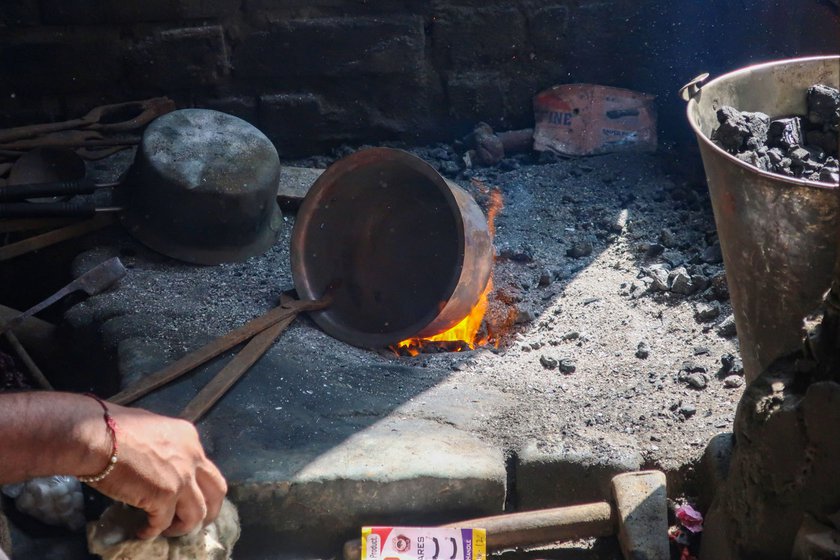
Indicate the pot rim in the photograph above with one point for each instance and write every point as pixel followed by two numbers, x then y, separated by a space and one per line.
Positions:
pixel 702 138
pixel 308 210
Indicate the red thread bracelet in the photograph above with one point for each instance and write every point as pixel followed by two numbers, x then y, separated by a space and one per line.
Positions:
pixel 111 424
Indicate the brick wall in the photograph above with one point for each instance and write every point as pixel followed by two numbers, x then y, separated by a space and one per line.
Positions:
pixel 315 73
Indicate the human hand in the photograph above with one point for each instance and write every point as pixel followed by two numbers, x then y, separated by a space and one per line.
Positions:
pixel 162 469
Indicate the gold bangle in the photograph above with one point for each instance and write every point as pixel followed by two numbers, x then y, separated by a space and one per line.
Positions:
pixel 111 424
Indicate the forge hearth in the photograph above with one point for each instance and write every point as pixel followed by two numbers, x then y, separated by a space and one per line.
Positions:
pixel 322 426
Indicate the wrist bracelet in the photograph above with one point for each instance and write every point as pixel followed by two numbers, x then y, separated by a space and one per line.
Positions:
pixel 111 424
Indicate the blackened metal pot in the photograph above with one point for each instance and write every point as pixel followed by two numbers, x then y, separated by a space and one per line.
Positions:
pixel 203 188
pixel 408 252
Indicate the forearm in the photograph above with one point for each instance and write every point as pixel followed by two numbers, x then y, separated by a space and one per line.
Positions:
pixel 50 433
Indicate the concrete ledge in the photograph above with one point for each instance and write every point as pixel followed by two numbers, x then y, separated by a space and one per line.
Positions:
pixel 398 470
pixel 557 475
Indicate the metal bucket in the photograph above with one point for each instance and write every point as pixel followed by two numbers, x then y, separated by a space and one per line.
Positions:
pixel 407 252
pixel 779 235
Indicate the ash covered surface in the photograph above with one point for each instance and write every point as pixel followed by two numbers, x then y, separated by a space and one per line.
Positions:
pixel 802 146
pixel 608 267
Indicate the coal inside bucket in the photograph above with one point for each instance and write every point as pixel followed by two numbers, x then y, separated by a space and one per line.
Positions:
pixel 778 235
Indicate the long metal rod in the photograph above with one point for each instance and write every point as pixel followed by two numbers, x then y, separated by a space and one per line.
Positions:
pixel 236 368
pixel 213 349
pixel 44 240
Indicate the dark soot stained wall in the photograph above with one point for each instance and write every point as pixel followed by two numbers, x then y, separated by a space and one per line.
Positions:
pixel 313 74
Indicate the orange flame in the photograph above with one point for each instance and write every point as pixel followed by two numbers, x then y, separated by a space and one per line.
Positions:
pixel 467 330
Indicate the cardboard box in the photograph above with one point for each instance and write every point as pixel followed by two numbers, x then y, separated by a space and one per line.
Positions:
pixel 423 543
pixel 587 119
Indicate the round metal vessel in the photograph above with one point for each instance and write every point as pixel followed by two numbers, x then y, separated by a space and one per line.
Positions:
pixel 778 235
pixel 203 188
pixel 408 252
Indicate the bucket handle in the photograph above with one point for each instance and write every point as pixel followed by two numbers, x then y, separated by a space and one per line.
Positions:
pixel 690 90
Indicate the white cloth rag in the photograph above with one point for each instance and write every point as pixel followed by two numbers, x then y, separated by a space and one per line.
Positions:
pixel 112 537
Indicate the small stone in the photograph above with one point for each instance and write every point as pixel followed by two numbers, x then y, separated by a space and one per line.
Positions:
pixel 548 362
pixel 667 238
pixel 580 249
pixel 740 130
pixel 673 258
pixel 705 312
pixel 829 176
pixel 612 226
pixel 731 365
pixel 521 255
pixel 680 281
pixel 720 289
pixel 545 278
pixel 450 168
pixel 799 156
pixel 733 381
pixel 654 250
pixel 567 365
pixel 688 410
pixel 524 315
pixel 823 103
pixel 659 274
pixel 712 254
pixel 727 361
pixel 785 133
pixel 642 350
pixel 696 380
pixel 726 328
pixel 699 282
pixel 690 366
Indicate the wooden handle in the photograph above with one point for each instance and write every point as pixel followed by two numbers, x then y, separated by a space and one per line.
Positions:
pixel 546 526
pixel 213 349
pixel 532 528
pixel 27 224
pixel 56 236
pixel 236 368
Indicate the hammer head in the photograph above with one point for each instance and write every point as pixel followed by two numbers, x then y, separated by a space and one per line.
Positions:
pixel 641 502
pixel 101 277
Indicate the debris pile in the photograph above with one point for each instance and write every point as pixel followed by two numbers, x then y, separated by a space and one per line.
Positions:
pixel 803 146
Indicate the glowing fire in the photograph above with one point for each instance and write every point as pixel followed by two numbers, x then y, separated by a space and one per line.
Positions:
pixel 467 331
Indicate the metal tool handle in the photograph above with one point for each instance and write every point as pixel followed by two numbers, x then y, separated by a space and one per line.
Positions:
pixel 57 188
pixel 225 342
pixel 533 528
pixel 47 210
pixel 93 281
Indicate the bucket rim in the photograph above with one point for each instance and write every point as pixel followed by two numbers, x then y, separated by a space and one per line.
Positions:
pixel 766 174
